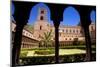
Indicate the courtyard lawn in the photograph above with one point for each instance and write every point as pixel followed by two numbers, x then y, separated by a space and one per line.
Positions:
pixel 69 50
pixel 44 55
pixel 61 52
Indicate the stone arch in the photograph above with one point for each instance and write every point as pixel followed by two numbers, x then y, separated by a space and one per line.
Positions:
pixel 71 19
pixel 40 19
pixel 85 22
pixel 34 12
pixel 22 16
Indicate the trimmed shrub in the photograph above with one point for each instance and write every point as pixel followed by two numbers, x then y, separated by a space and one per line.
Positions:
pixel 38 60
pixel 44 52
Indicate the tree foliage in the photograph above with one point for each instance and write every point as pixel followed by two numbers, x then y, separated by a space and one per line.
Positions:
pixel 46 39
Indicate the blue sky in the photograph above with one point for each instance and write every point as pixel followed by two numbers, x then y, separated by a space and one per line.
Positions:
pixel 93 16
pixel 34 13
pixel 12 9
pixel 70 16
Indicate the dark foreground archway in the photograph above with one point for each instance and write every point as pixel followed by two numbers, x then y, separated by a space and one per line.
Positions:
pixel 21 16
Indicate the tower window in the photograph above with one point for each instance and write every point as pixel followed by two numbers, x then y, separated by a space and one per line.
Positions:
pixel 70 31
pixel 66 39
pixel 42 12
pixel 41 18
pixel 66 31
pixel 40 27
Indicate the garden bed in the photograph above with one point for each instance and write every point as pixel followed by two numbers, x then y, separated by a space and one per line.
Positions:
pixel 39 60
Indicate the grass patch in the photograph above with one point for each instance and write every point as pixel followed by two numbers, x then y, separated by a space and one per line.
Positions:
pixel 23 53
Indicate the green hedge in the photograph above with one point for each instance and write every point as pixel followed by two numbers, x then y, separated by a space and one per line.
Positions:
pixel 44 52
pixel 26 49
pixel 72 46
pixel 51 59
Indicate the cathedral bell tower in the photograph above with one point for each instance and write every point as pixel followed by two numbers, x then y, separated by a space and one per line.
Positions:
pixel 41 25
pixel 42 14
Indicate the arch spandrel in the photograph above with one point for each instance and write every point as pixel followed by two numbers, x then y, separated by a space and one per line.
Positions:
pixel 84 12
pixel 22 11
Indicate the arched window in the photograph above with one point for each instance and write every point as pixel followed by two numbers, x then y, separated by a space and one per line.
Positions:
pixel 42 11
pixel 40 27
pixel 73 31
pixel 77 31
pixel 66 31
pixel 41 18
pixel 70 31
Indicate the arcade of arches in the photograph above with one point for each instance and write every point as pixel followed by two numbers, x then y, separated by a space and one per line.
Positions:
pixel 64 34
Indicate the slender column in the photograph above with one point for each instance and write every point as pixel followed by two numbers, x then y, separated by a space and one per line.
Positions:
pixel 85 24
pixel 17 45
pixel 88 45
pixel 21 15
pixel 56 42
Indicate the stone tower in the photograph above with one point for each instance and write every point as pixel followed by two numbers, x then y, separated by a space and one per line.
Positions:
pixel 41 25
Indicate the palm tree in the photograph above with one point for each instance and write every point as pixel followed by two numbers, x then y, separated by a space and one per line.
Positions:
pixel 46 39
